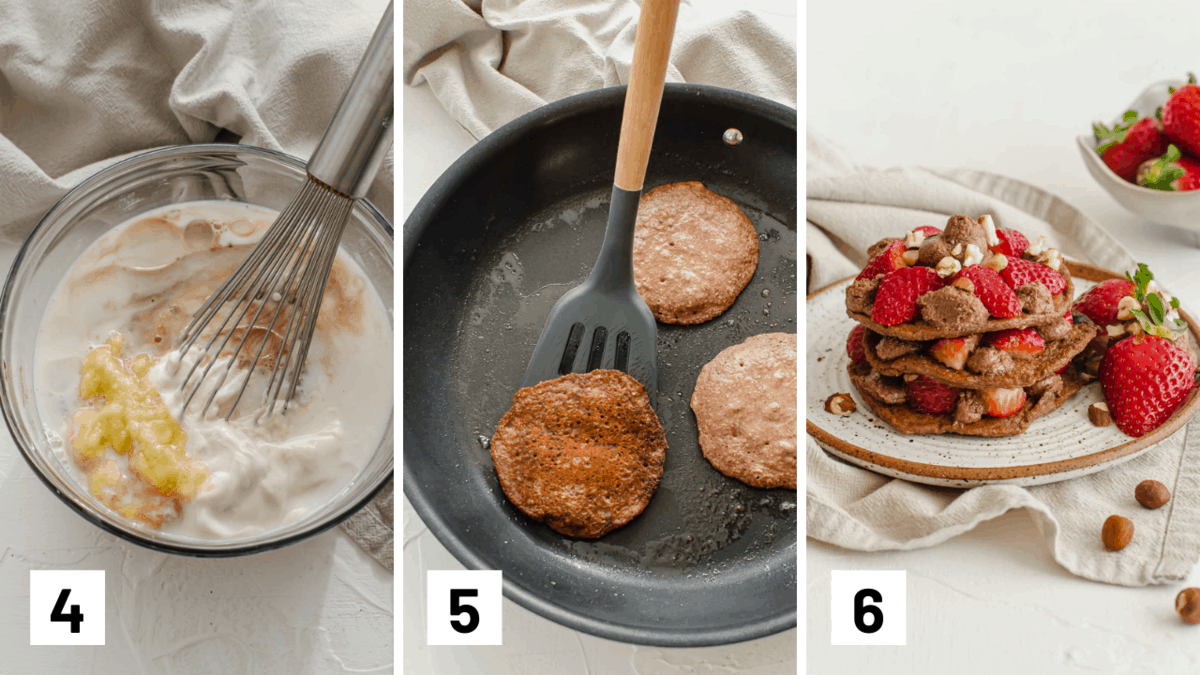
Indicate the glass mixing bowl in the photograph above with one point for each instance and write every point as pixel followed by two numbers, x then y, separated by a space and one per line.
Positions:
pixel 153 179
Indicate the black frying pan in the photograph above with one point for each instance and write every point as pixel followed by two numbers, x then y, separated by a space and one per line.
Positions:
pixel 513 224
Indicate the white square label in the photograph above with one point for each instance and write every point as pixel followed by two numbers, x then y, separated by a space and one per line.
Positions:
pixel 66 607
pixel 463 607
pixel 868 607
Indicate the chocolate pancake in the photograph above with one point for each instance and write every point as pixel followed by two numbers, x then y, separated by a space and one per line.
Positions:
pixel 745 405
pixel 582 453
pixel 693 252
pixel 1024 373
pixel 923 330
pixel 908 421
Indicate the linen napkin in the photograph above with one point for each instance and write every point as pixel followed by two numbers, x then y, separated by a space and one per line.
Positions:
pixel 850 207
pixel 490 61
pixel 83 85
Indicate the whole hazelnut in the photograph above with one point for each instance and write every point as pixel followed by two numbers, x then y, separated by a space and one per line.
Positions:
pixel 1187 603
pixel 1151 494
pixel 1116 533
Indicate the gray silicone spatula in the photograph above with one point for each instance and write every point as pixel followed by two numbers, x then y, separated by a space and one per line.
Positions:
pixel 603 322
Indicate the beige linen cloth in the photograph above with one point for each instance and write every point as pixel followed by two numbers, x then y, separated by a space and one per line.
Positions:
pixel 85 84
pixel 490 61
pixel 850 207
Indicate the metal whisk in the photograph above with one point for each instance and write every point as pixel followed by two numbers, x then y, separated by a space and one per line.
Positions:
pixel 283 278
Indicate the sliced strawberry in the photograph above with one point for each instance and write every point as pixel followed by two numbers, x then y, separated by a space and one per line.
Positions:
pixel 1019 272
pixel 1069 317
pixel 999 300
pixel 896 297
pixel 1003 402
pixel 1012 243
pixel 1145 379
pixel 953 352
pixel 927 230
pixel 930 396
pixel 1100 302
pixel 854 344
pixel 890 260
pixel 1020 342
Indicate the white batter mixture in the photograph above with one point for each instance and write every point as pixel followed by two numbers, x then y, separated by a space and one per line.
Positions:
pixel 144 280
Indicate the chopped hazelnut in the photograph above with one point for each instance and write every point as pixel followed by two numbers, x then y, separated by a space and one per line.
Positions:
pixel 956 250
pixel 840 404
pixel 914 239
pixel 990 228
pixel 1125 305
pixel 996 261
pixel 974 255
pixel 1098 415
pixel 1115 330
pixel 1036 246
pixel 965 284
pixel 948 267
pixel 910 257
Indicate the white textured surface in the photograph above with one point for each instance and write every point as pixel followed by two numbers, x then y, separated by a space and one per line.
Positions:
pixel 1004 88
pixel 321 606
pixel 533 645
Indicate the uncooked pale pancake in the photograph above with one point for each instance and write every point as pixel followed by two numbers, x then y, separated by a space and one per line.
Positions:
pixel 693 252
pixel 582 453
pixel 745 405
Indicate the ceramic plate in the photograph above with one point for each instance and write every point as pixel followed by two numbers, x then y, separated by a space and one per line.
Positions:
pixel 1057 446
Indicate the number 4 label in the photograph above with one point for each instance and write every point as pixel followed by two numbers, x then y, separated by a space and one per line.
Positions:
pixel 66 607
pixel 463 607
pixel 868 607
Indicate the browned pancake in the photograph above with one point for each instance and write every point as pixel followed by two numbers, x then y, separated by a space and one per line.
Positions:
pixel 693 252
pixel 908 421
pixel 745 405
pixel 1025 372
pixel 582 453
pixel 923 330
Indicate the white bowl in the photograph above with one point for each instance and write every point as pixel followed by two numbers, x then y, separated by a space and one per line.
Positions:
pixel 1173 208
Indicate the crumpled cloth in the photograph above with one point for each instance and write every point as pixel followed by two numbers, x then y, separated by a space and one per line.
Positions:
pixel 490 61
pixel 850 207
pixel 83 85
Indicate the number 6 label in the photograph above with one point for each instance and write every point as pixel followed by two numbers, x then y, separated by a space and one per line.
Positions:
pixel 868 607
pixel 463 607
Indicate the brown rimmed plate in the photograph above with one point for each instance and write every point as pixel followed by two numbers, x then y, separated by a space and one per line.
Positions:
pixel 1059 446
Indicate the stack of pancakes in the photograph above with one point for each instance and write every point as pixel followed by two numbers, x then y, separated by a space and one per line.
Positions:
pixel 897 355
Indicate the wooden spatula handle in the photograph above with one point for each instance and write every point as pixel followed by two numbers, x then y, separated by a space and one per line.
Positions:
pixel 651 51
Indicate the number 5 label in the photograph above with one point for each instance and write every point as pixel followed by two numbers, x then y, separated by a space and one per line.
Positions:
pixel 463 607
pixel 868 607
pixel 66 607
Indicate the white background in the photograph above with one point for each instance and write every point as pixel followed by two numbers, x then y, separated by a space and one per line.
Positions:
pixel 533 645
pixel 1003 87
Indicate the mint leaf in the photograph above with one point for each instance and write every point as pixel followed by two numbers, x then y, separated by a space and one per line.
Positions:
pixel 1155 305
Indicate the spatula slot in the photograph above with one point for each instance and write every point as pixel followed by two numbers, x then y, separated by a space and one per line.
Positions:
pixel 622 360
pixel 599 337
pixel 572 348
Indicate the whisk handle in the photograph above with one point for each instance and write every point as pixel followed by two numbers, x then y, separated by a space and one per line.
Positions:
pixel 360 133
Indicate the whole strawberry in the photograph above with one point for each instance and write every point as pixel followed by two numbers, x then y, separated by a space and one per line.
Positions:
pixel 854 345
pixel 1172 172
pixel 1181 117
pixel 1100 302
pixel 896 297
pixel 1145 379
pixel 1129 143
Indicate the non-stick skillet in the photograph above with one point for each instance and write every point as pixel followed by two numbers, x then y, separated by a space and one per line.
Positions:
pixel 510 226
